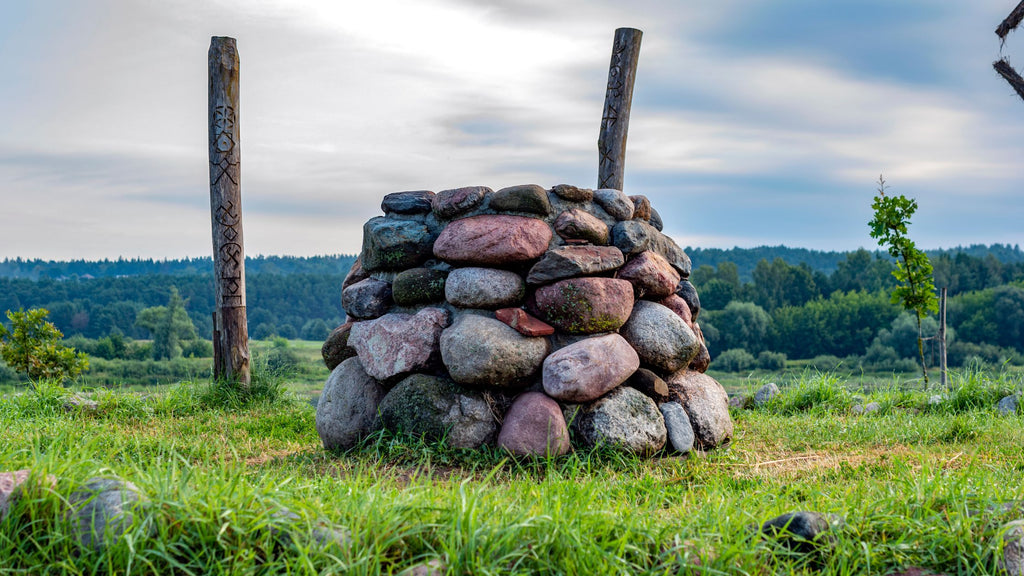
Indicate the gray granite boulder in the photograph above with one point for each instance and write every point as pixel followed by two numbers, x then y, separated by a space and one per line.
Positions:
pixel 677 424
pixel 586 370
pixel 624 419
pixel 347 409
pixel 335 349
pixel 484 351
pixel 397 343
pixel 418 286
pixel 615 203
pixel 534 426
pixel 1009 405
pixel 576 224
pixel 437 408
pixel 1010 558
pixel 571 261
pixel 395 244
pixel 369 298
pixel 104 509
pixel 803 531
pixel 707 405
pixel 412 202
pixel 526 198
pixel 660 337
pixel 488 288
pixel 765 393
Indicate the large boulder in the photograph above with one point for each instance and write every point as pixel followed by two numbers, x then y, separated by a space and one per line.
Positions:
pixel 585 305
pixel 412 202
pixel 527 198
pixel 335 349
pixel 418 286
pixel 534 426
pixel 483 351
pixel 395 244
pixel 624 420
pixel 571 261
pixel 707 405
pixel 488 288
pixel 399 343
pixel 586 370
pixel 493 240
pixel 103 508
pixel 451 203
pixel 347 409
pixel 651 275
pixel 615 203
pixel 437 408
pixel 660 337
pixel 576 224
pixel 369 298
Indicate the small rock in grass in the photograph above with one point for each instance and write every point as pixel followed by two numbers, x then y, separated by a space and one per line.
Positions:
pixel 766 393
pixel 76 402
pixel 433 567
pixel 12 487
pixel 1011 555
pixel 1008 405
pixel 677 423
pixel 287 526
pixel 935 400
pixel 803 531
pixel 102 508
pixel 738 401
pixel 869 408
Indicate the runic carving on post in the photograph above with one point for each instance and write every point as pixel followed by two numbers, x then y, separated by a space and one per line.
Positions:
pixel 1002 66
pixel 611 144
pixel 230 331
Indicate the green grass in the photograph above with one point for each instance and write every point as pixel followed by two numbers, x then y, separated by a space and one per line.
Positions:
pixel 914 487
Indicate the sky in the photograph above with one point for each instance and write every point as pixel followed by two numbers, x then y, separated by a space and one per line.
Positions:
pixel 754 122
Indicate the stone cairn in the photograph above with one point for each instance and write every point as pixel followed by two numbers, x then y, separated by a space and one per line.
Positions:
pixel 537 320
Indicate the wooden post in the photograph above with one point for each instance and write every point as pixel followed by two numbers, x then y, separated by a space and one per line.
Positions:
pixel 231 333
pixel 611 144
pixel 942 339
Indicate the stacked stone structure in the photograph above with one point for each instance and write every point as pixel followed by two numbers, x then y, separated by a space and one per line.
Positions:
pixel 534 319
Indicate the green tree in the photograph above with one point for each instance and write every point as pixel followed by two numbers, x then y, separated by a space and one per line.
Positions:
pixel 742 325
pixel 169 325
pixel 32 345
pixel 916 289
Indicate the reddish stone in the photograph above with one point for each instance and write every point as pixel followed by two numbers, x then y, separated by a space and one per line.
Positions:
pixel 650 274
pixel 680 307
pixel 641 208
pixel 399 343
pixel 576 224
pixel 572 261
pixel 534 426
pixel 588 369
pixel 336 349
pixel 355 273
pixel 493 240
pixel 449 203
pixel 524 323
pixel 585 305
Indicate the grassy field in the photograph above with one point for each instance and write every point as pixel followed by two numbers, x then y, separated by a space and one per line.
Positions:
pixel 917 485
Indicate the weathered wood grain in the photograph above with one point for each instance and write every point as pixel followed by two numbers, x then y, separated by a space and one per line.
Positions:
pixel 611 144
pixel 230 329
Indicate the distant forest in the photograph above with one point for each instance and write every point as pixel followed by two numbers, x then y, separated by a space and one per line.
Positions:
pixel 798 302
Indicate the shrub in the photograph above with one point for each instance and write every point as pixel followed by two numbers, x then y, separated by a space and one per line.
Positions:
pixel 197 348
pixel 735 360
pixel 826 363
pixel 32 345
pixel 774 361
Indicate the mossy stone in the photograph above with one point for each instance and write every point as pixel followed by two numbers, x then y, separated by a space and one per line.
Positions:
pixel 418 286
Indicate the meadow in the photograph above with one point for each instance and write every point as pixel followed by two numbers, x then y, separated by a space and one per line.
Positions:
pixel 917 485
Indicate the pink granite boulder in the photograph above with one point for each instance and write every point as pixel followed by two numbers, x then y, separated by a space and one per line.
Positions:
pixel 493 240
pixel 534 426
pixel 585 305
pixel 399 343
pixel 588 369
pixel 651 275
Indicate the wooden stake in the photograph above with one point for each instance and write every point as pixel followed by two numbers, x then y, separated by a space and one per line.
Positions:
pixel 230 328
pixel 942 339
pixel 611 143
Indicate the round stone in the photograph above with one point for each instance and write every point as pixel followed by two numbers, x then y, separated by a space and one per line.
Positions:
pixel 588 369
pixel 483 351
pixel 585 305
pixel 488 288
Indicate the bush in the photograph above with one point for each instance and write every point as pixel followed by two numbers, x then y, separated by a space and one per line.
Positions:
pixel 826 363
pixel 773 361
pixel 197 348
pixel 32 345
pixel 735 360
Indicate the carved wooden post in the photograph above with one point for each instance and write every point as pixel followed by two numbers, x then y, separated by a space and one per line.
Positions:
pixel 611 144
pixel 231 333
pixel 942 340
